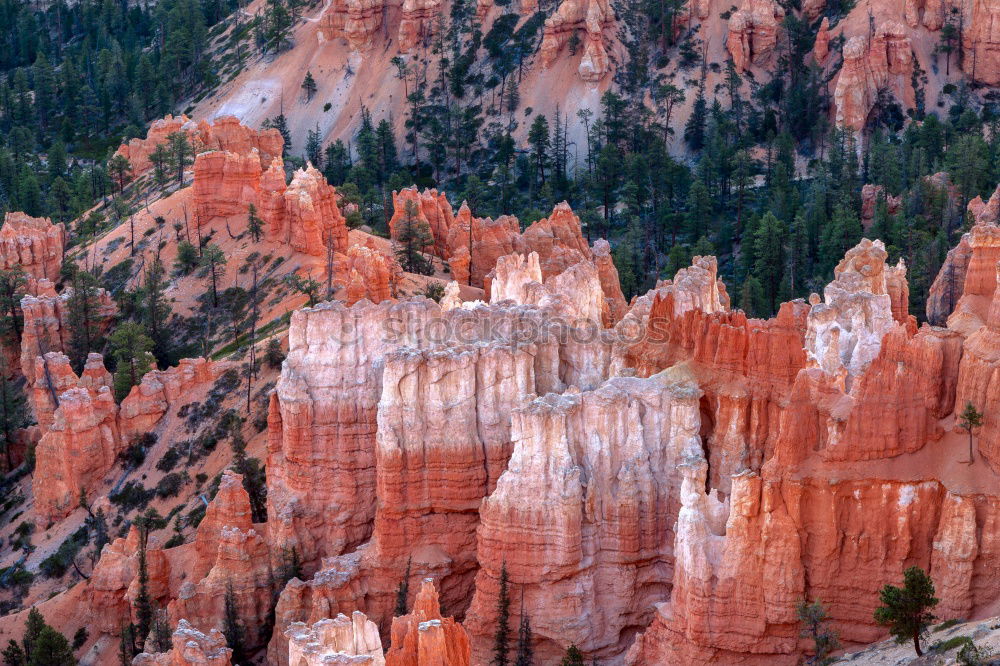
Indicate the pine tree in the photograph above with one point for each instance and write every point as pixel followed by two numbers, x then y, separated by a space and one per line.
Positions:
pixel 769 255
pixel 143 603
pixel 13 413
pixel 814 620
pixel 214 259
pixel 573 657
pixel 51 649
pixel 156 311
pixel 752 299
pixel 538 137
pixel 524 649
pixel 160 159
pixel 501 640
pixel 970 418
pixel 255 225
pixel 403 591
pixel 13 283
pixel 32 629
pixel 254 480
pixel 906 610
pixel 84 327
pixel 412 237
pixel 309 85
pixel 180 154
pixel 130 347
pixel 232 626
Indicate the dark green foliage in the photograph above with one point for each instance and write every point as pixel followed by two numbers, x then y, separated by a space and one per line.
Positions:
pixel 501 639
pixel 412 237
pixel 273 354
pixel 80 638
pixel 51 649
pixel 59 562
pixel 906 610
pixel 132 496
pixel 969 419
pixel 573 657
pixel 524 649
pixel 814 620
pixel 403 591
pixel 84 318
pixel 130 348
pixel 232 626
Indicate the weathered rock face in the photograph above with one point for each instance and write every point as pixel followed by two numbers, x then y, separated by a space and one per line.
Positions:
pixel 53 375
pixel 575 295
pixel 225 133
pixel 323 415
pixel 310 220
pixel 948 285
pixel 357 21
pixel 159 390
pixel 79 449
pixel 845 331
pixel 981 42
pixel 190 647
pixel 967 279
pixel 430 208
pixel 417 23
pixel 753 32
pixel 423 636
pixel 596 474
pixel 885 63
pixel 871 195
pixel 735 592
pixel 224 184
pixel 592 22
pixel 353 640
pixel 238 563
pixel 367 273
pixel 46 322
pixel 33 243
pixel 977 382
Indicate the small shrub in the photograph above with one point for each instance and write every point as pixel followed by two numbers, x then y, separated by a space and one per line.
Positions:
pixel 80 638
pixel 947 624
pixel 169 459
pixel 170 485
pixel 56 564
pixel 175 540
pixel 132 496
pixel 951 643
pixel 974 655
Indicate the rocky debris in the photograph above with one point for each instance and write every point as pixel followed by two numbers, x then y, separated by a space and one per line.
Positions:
pixel 592 22
pixel 75 455
pixel 753 33
pixel 845 331
pixel 190 647
pixel 423 636
pixel 34 244
pixel 884 63
pixel 342 639
pixel 224 133
pixel 357 21
pixel 590 490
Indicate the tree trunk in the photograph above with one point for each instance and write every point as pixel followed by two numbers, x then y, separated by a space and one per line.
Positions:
pixel 916 642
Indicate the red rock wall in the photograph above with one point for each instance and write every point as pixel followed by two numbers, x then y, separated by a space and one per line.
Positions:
pixel 33 244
